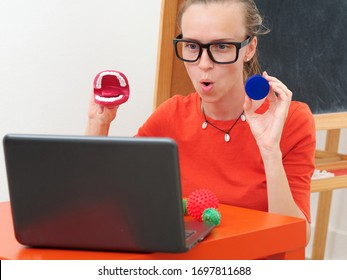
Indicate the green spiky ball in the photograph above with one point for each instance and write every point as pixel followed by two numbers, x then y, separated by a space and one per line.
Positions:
pixel 211 216
pixel 184 202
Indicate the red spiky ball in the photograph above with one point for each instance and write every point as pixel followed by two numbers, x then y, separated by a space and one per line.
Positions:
pixel 200 200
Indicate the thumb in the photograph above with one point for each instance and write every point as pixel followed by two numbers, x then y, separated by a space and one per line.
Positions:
pixel 248 104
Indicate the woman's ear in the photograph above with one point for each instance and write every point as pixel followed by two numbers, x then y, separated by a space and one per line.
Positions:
pixel 251 48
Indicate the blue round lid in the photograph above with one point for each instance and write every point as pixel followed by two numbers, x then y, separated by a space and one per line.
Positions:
pixel 257 87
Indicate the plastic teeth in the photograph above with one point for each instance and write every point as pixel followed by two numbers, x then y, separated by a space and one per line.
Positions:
pixel 108 99
pixel 108 73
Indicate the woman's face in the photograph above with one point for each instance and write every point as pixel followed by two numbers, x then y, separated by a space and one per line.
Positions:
pixel 212 23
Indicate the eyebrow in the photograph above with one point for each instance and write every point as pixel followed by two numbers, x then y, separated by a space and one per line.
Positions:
pixel 224 40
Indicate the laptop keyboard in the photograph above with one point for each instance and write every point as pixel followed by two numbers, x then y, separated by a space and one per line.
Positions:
pixel 189 233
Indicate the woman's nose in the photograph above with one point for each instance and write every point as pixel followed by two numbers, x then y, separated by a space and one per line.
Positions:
pixel 205 61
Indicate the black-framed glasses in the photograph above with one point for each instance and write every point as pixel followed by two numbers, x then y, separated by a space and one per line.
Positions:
pixel 218 52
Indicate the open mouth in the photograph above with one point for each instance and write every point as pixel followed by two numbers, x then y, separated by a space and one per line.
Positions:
pixel 206 82
pixel 206 85
pixel 111 88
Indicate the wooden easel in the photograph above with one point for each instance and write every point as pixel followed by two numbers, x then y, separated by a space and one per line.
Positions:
pixel 172 79
pixel 171 75
pixel 327 159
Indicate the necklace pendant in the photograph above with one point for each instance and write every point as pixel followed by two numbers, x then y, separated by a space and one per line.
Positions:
pixel 227 137
pixel 204 125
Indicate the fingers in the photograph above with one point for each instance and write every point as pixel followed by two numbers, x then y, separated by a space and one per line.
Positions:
pixel 255 107
pixel 103 115
pixel 278 90
pixel 279 98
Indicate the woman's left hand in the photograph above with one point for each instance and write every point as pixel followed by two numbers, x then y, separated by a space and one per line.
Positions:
pixel 267 127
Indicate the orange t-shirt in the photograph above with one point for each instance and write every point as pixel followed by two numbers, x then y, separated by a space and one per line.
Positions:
pixel 234 171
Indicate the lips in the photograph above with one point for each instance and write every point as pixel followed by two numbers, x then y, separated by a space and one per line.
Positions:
pixel 206 85
pixel 111 88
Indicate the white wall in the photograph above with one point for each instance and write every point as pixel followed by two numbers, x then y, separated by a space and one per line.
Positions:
pixel 50 52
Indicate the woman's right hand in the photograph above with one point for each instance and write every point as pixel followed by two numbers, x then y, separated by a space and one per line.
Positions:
pixel 99 118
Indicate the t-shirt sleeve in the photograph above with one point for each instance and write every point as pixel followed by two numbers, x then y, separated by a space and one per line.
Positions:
pixel 298 146
pixel 159 123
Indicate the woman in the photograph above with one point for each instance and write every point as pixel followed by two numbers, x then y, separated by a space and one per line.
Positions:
pixel 249 157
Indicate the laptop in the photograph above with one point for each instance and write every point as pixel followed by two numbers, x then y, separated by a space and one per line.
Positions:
pixel 98 193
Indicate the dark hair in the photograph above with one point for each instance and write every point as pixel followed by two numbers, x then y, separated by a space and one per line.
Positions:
pixel 254 27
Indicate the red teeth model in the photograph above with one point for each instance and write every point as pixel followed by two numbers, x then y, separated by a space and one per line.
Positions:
pixel 111 88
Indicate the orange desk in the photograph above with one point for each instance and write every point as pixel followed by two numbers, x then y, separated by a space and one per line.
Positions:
pixel 243 234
